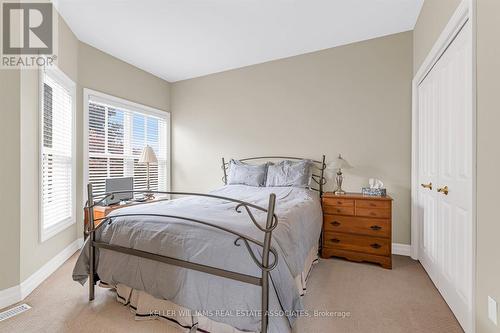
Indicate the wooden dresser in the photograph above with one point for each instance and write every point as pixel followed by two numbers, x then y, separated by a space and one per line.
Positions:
pixel 358 228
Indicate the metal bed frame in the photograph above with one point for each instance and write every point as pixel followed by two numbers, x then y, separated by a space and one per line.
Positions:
pixel 264 263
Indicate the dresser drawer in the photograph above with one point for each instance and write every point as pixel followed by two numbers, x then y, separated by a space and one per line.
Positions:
pixel 327 209
pixel 338 202
pixel 373 204
pixel 383 213
pixel 357 225
pixel 365 244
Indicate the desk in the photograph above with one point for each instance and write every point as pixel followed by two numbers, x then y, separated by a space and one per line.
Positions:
pixel 101 212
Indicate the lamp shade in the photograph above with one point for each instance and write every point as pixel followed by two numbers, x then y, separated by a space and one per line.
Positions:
pixel 339 163
pixel 148 155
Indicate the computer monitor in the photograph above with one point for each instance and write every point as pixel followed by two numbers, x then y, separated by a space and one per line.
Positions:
pixel 119 184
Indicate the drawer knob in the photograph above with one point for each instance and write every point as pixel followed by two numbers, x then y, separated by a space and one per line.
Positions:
pixel 335 240
pixel 375 227
pixel 335 223
pixel 376 246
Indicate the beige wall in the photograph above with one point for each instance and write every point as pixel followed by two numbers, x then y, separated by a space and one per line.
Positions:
pixel 488 159
pixel 431 21
pixel 9 177
pixel 101 72
pixel 353 99
pixel 20 247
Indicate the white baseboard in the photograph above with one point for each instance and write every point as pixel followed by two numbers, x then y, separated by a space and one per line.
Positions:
pixel 10 296
pixel 18 293
pixel 401 249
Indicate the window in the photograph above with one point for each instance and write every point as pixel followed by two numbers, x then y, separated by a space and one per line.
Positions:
pixel 117 132
pixel 57 167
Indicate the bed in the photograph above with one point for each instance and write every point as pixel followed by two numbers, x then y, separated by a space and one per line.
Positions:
pixel 233 260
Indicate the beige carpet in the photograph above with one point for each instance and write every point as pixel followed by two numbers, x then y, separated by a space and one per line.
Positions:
pixel 378 300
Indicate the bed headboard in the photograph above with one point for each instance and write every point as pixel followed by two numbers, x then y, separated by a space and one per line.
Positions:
pixel 318 174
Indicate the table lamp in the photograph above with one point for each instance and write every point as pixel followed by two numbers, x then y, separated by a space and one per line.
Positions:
pixel 337 165
pixel 148 156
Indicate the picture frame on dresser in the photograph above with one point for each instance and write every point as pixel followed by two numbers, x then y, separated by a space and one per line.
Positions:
pixel 357 227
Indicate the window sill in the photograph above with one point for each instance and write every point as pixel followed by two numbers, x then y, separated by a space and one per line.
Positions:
pixel 49 232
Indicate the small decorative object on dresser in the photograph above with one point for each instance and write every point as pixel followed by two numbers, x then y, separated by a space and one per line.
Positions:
pixel 376 188
pixel 337 165
pixel 357 227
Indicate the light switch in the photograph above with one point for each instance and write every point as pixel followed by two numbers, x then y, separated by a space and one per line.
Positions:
pixel 492 310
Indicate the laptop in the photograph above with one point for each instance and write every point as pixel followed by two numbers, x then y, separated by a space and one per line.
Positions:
pixel 119 184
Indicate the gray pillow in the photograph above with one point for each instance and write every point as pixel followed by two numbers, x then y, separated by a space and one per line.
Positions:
pixel 289 173
pixel 246 174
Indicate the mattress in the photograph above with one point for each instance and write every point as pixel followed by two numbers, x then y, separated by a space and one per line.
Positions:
pixel 226 301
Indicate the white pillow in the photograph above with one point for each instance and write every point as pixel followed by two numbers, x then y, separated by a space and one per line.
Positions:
pixel 289 173
pixel 246 174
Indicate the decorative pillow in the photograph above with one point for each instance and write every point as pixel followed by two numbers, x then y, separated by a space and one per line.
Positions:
pixel 289 173
pixel 246 174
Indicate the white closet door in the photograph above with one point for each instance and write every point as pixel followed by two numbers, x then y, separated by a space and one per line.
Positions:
pixel 428 167
pixel 445 159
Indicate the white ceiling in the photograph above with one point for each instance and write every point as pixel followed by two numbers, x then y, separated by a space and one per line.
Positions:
pixel 181 39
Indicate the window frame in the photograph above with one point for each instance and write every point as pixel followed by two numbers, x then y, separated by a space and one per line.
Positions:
pixel 60 77
pixel 131 106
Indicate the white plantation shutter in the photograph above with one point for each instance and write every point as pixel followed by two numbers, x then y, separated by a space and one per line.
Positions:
pixel 57 173
pixel 116 136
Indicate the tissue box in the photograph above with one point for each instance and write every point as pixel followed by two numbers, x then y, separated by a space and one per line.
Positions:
pixel 380 192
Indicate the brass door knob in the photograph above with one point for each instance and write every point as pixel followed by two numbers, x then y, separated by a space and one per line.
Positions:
pixel 429 186
pixel 443 190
